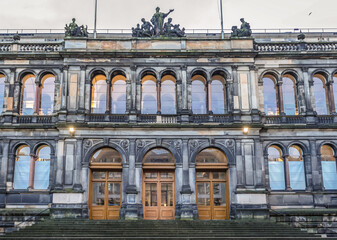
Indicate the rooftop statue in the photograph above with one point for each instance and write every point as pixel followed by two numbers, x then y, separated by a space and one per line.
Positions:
pixel 16 37
pixel 158 28
pixel 73 30
pixel 244 30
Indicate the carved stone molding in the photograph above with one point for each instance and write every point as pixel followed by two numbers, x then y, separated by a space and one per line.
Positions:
pixel 142 143
pixel 195 143
pixel 89 143
pixel 176 143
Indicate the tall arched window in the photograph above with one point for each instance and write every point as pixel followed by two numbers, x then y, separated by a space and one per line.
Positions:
pixel 118 95
pixel 320 93
pixel 218 94
pixel 199 95
pixel 270 95
pixel 329 172
pixel 168 95
pixel 98 95
pixel 334 86
pixel 28 94
pixel 21 168
pixel 289 95
pixel 296 168
pixel 42 168
pixel 47 94
pixel 276 168
pixel 2 91
pixel 149 95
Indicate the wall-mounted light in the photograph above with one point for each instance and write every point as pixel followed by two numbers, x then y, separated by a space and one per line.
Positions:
pixel 72 131
pixel 245 130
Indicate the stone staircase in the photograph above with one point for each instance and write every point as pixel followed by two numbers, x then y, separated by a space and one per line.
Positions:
pixel 142 229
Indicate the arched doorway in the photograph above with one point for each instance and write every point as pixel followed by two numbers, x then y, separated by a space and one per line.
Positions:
pixel 105 187
pixel 212 184
pixel 158 185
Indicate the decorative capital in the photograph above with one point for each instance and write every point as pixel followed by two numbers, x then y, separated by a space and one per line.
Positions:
pixel 65 68
pixel 183 67
pixel 133 67
pixel 304 69
pixel 12 70
pixel 234 67
pixel 83 67
pixel 252 68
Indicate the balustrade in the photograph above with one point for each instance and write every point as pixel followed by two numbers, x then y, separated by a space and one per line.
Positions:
pixel 293 47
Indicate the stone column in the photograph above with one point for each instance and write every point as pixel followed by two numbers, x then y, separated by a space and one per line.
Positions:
pixel 252 70
pixel 64 89
pixel 301 97
pixel 186 188
pixel 179 95
pixel 134 89
pixel 131 188
pixel 81 105
pixel 280 97
pixel 307 87
pixel 128 96
pixel 9 101
pixel 240 165
pixel 57 95
pixel 78 165
pixel 87 95
pixel 236 105
pixel 4 164
pixel 286 171
pixel 85 180
pixel 31 171
pixel 331 98
pixel 229 95
pixel 37 97
pixel 209 96
pixel 308 171
pixel 138 96
pixel 259 163
pixel 108 97
pixel 316 167
pixel 17 90
pixel 60 165
pixel 158 97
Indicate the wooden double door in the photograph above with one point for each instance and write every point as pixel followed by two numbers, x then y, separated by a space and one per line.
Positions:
pixel 105 194
pixel 212 194
pixel 159 194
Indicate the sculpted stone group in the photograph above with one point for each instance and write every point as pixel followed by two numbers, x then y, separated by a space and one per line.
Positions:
pixel 244 30
pixel 73 30
pixel 157 27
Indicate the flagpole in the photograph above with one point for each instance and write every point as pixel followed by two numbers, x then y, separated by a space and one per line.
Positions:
pixel 222 32
pixel 95 33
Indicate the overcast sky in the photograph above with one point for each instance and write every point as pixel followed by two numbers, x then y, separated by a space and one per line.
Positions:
pixel 196 14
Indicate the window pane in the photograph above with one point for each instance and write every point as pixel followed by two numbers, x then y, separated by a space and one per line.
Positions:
pixel 218 97
pixel 203 194
pixel 219 193
pixel 28 95
pixel 98 97
pixel 152 175
pixel 115 175
pixel 202 175
pixel 98 190
pixel 149 97
pixel 211 155
pixel 2 92
pixel 158 155
pixel 99 175
pixel 276 168
pixel 47 95
pixel 289 96
pixel 118 95
pixel 218 175
pixel 22 167
pixel 296 168
pixel 166 195
pixel 198 97
pixel 106 155
pixel 166 175
pixel 320 95
pixel 114 198
pixel 151 194
pixel 329 171
pixel 168 97
pixel 42 168
pixel 269 95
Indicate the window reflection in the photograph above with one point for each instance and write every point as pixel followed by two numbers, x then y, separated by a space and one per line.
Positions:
pixel 2 91
pixel 158 155
pixel 218 94
pixel 118 95
pixel 296 168
pixel 334 85
pixel 22 168
pixel 276 168
pixel 98 97
pixel 199 95
pixel 28 94
pixel 289 95
pixel 47 94
pixel 270 96
pixel 211 155
pixel 168 95
pixel 106 155
pixel 329 171
pixel 149 95
pixel 320 95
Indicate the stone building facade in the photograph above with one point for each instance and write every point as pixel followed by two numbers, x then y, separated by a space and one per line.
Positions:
pixel 224 137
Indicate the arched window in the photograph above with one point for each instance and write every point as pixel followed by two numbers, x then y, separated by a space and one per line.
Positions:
pixel 28 94
pixel 334 86
pixel 158 155
pixel 168 95
pixel 296 168
pixel 270 95
pixel 211 155
pixel 276 168
pixel 42 168
pixel 21 168
pixel 149 95
pixel 218 94
pixel 329 172
pixel 106 155
pixel 289 95
pixel 2 91
pixel 320 93
pixel 199 95
pixel 98 95
pixel 118 95
pixel 47 94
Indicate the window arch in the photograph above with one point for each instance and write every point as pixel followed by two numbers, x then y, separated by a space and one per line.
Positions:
pixel 329 172
pixel 22 167
pixel 289 95
pixel 199 95
pixel 168 95
pixel 320 94
pixel 296 168
pixel 211 155
pixel 276 168
pixel 47 94
pixel 99 94
pixel 118 94
pixel 106 155
pixel 158 155
pixel 270 95
pixel 149 95
pixel 218 94
pixel 2 91
pixel 42 167
pixel 28 94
